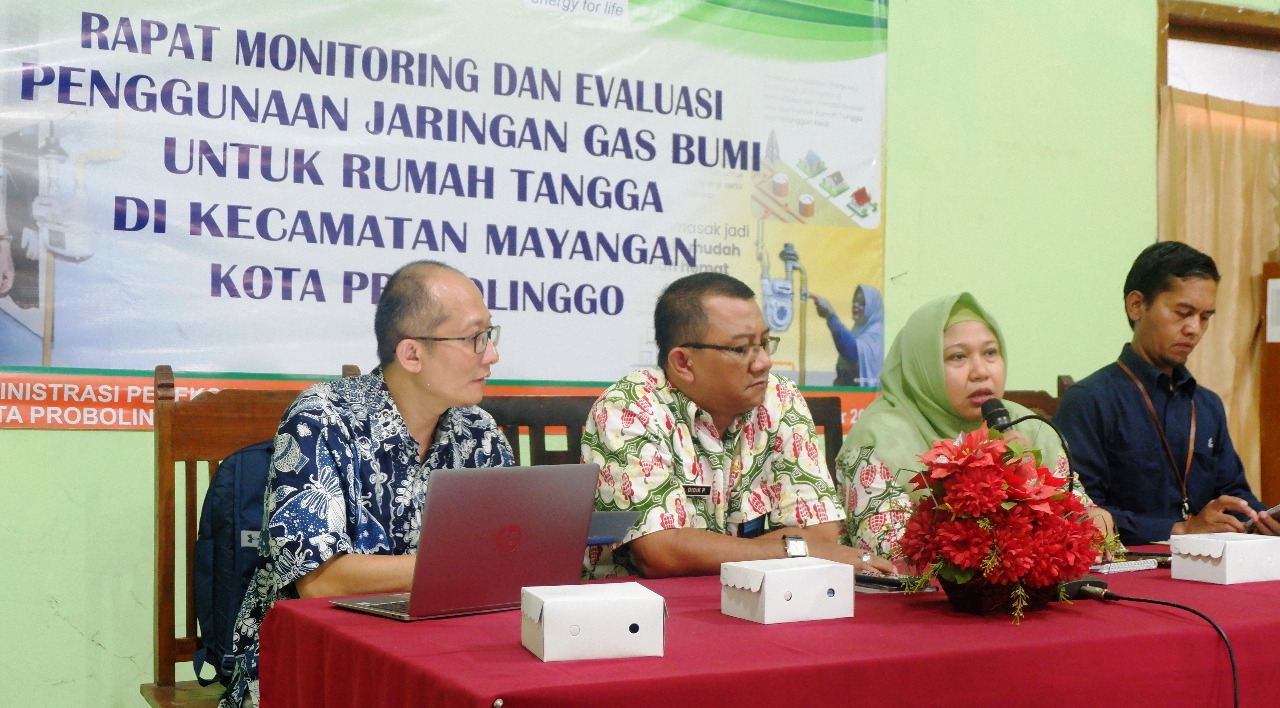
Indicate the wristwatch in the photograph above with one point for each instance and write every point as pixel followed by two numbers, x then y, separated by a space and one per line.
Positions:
pixel 795 545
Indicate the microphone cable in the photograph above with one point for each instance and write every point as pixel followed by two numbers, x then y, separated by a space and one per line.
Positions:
pixel 1066 449
pixel 1100 593
pixel 997 417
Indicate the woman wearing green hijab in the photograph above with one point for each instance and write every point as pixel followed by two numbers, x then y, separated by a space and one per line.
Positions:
pixel 944 364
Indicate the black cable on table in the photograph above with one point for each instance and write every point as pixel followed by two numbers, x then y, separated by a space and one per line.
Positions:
pixel 1104 594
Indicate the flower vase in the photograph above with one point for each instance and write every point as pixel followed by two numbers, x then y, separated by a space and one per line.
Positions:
pixel 980 597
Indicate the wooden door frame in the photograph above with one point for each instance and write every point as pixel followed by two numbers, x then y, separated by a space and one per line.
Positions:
pixel 1212 24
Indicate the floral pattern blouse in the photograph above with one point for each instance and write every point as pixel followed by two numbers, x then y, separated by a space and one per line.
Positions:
pixel 878 503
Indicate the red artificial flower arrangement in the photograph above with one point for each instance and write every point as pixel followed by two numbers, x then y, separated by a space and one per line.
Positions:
pixel 993 514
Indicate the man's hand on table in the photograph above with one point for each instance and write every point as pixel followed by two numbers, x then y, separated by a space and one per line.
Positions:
pixel 1213 518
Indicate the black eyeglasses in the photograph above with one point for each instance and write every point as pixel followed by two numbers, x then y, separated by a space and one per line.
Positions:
pixel 746 351
pixel 480 339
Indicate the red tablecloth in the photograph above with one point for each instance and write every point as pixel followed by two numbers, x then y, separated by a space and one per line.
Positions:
pixel 897 650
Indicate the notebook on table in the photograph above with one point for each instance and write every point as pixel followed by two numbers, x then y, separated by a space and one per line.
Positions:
pixel 486 533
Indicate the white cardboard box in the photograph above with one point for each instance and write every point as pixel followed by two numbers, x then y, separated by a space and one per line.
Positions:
pixel 1225 558
pixel 605 621
pixel 786 590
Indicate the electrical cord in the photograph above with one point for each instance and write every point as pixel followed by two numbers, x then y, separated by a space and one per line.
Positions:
pixel 1099 593
pixel 1066 450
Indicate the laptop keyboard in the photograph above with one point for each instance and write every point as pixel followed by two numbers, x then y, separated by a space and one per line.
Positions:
pixel 401 606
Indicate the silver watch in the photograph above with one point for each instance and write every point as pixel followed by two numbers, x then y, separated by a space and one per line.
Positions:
pixel 795 546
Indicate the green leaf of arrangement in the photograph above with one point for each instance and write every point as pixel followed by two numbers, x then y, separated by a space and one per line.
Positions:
pixel 950 572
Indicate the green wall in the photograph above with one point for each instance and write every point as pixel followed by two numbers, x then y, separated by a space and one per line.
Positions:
pixel 1021 166
pixel 76 519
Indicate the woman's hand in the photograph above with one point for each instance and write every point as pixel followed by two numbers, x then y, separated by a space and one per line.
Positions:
pixel 824 307
pixel 1106 525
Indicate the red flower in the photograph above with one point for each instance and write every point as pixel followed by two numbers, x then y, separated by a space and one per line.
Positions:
pixel 1011 520
pixel 975 490
pixel 974 448
pixel 918 543
pixel 1029 482
pixel 963 542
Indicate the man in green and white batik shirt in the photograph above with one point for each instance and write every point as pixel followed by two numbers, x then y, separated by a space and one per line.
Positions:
pixel 719 456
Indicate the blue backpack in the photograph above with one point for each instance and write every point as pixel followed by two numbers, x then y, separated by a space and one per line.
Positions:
pixel 226 552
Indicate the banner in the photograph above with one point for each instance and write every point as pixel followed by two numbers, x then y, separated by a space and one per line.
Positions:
pixel 226 186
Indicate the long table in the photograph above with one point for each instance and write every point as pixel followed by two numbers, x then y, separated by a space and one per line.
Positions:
pixel 897 650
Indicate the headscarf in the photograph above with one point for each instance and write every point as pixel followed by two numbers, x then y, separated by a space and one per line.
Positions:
pixel 869 336
pixel 913 409
pixel 868 339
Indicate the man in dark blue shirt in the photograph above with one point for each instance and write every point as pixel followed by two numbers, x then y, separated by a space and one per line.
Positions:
pixel 1149 444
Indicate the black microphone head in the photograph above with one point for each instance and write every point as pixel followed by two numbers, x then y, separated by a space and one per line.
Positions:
pixel 996 415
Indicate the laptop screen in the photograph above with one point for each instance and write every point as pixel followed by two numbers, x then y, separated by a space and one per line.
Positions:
pixel 487 532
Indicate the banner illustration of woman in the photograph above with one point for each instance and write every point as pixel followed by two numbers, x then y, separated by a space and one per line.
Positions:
pixel 862 348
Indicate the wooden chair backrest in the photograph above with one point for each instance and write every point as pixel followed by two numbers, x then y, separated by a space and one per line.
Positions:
pixel 540 414
pixel 204 430
pixel 827 414
pixel 1038 401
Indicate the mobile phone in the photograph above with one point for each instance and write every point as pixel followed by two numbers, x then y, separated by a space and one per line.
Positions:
pixel 1272 512
pixel 890 582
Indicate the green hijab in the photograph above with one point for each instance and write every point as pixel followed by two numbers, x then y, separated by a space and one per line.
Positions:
pixel 913 409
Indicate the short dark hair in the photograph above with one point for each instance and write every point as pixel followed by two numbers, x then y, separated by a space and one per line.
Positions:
pixel 1155 269
pixel 406 304
pixel 679 315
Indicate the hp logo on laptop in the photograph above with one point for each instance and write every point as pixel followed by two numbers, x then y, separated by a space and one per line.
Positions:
pixel 508 538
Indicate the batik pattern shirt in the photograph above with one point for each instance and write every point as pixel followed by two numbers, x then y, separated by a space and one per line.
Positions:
pixel 661 455
pixel 345 478
pixel 878 502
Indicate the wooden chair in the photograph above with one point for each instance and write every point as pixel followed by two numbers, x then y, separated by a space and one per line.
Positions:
pixel 1040 401
pixel 547 414
pixel 190 435
pixel 542 415
pixel 828 416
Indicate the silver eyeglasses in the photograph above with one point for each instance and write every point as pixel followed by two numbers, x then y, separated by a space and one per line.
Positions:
pixel 747 352
pixel 480 340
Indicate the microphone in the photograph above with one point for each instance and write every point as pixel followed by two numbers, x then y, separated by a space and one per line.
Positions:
pixel 997 418
pixel 996 415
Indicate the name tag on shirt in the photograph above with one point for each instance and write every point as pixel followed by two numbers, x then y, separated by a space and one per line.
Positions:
pixel 697 490
pixel 748 529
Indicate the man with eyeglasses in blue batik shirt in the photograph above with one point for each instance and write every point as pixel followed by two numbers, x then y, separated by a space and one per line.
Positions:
pixel 353 457
pixel 718 456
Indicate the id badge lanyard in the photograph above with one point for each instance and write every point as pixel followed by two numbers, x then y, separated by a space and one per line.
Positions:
pixel 1179 477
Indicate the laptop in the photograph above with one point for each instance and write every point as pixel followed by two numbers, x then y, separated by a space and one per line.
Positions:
pixel 486 533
